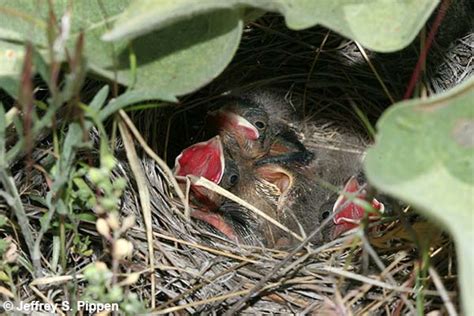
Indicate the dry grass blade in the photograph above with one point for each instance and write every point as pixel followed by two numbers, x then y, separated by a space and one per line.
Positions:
pixel 206 301
pixel 200 285
pixel 47 300
pixel 6 292
pixel 205 248
pixel 214 187
pixel 198 303
pixel 10 115
pixel 366 280
pixel 55 279
pixel 442 292
pixel 381 266
pixel 366 287
pixel 374 70
pixel 164 167
pixel 144 196
pixel 273 272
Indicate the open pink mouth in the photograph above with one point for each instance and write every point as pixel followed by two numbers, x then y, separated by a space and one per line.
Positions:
pixel 228 120
pixel 204 159
pixel 349 213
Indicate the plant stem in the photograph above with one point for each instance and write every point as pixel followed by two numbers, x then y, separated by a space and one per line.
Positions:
pixel 62 238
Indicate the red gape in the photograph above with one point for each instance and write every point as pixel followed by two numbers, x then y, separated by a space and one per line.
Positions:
pixel 347 217
pixel 205 159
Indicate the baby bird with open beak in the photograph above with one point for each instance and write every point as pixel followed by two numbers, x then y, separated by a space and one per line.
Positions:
pixel 251 131
pixel 348 213
pixel 207 159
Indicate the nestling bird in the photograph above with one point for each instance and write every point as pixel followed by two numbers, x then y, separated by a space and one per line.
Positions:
pixel 349 213
pixel 251 131
pixel 207 159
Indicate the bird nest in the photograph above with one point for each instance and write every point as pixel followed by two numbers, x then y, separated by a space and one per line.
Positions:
pixel 338 87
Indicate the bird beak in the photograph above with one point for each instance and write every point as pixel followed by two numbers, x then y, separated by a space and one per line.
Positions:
pixel 349 213
pixel 277 176
pixel 350 210
pixel 226 119
pixel 205 159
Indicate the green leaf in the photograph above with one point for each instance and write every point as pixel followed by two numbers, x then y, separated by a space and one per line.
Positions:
pixel 173 61
pixel 25 20
pixel 144 16
pixel 87 217
pixel 3 276
pixel 11 61
pixel 3 246
pixel 424 155
pixel 3 128
pixel 72 142
pixel 379 25
pixel 129 97
pixel 99 99
pixel 184 56
pixel 3 220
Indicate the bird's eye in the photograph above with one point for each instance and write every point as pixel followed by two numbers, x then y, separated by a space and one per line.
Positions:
pixel 233 179
pixel 260 124
pixel 325 214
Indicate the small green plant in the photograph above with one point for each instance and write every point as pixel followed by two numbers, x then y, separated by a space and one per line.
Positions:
pixel 101 289
pixel 8 258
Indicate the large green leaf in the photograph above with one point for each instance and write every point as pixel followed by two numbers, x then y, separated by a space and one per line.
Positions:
pixel 424 155
pixel 186 55
pixel 26 20
pixel 380 25
pixel 11 61
pixel 173 61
